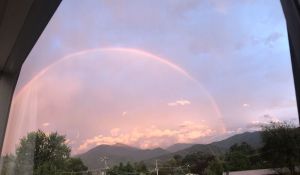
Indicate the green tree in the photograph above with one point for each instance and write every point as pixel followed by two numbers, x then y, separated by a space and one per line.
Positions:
pixel 75 165
pixel 240 157
pixel 129 168
pixel 7 165
pixel 136 168
pixel 178 159
pixel 197 162
pixel 121 167
pixel 281 145
pixel 113 171
pixel 42 154
pixel 243 147
pixel 140 167
pixel 170 167
pixel 215 167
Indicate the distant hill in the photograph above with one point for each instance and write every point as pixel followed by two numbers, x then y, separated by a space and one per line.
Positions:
pixel 252 138
pixel 215 148
pixel 118 153
pixel 179 146
pixel 205 148
pixel 124 153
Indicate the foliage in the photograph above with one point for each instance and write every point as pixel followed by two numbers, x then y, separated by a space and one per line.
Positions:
pixel 237 158
pixel 173 166
pixel 215 167
pixel 7 165
pixel 197 162
pixel 281 145
pixel 242 157
pixel 75 165
pixel 43 154
pixel 121 169
pixel 140 167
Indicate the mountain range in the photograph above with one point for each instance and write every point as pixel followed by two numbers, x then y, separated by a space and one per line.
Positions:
pixel 118 153
pixel 123 153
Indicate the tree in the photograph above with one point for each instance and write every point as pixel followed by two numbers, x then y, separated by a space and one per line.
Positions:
pixel 136 168
pixel 129 168
pixel 7 165
pixel 75 165
pixel 215 167
pixel 42 154
pixel 114 170
pixel 140 167
pixel 281 145
pixel 172 166
pixel 237 157
pixel 244 147
pixel 178 159
pixel 242 157
pixel 197 162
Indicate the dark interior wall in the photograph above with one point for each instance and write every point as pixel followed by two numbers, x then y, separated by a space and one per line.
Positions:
pixel 291 9
pixel 21 24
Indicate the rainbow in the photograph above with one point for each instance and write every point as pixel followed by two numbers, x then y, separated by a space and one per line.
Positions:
pixel 124 50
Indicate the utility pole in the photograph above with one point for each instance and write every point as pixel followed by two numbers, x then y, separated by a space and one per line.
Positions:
pixel 188 168
pixel 156 167
pixel 104 159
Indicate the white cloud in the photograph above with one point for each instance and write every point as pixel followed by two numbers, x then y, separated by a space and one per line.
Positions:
pixel 264 120
pixel 179 103
pixel 46 124
pixel 271 118
pixel 246 105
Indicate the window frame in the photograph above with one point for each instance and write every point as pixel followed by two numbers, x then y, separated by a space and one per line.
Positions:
pixel 21 24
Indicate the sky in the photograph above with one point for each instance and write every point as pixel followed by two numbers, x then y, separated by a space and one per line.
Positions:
pixel 154 73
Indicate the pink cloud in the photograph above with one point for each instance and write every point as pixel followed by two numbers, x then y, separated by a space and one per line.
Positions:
pixel 151 137
pixel 115 131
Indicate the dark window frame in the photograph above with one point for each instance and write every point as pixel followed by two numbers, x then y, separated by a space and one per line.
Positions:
pixel 21 24
pixel 291 11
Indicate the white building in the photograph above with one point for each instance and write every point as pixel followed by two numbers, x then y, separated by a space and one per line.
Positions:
pixel 252 172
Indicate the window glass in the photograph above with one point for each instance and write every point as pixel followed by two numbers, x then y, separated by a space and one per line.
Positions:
pixel 139 82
